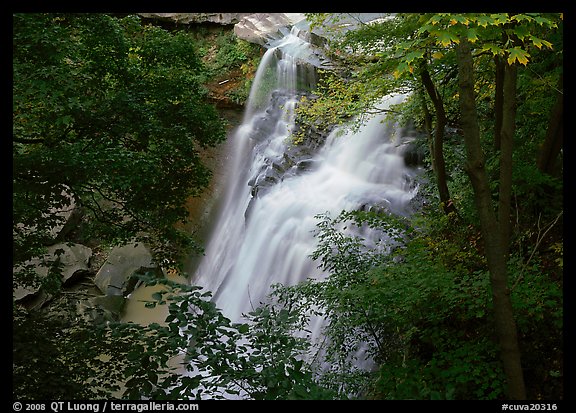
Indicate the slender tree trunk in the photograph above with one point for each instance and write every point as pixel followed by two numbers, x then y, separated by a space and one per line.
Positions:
pixel 438 147
pixel 506 147
pixel 428 127
pixel 554 135
pixel 498 99
pixel 491 229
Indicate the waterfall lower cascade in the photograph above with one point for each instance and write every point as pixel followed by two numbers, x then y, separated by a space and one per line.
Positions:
pixel 264 233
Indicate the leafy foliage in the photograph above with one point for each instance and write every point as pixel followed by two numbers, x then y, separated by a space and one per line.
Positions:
pixel 420 313
pixel 56 356
pixel 109 116
pixel 441 343
pixel 406 310
pixel 109 120
pixel 228 58
pixel 411 304
pixel 400 307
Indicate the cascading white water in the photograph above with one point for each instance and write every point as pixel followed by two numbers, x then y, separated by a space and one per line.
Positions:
pixel 267 238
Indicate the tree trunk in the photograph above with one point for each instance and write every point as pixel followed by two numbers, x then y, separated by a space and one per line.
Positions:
pixel 498 98
pixel 506 146
pixel 491 230
pixel 438 150
pixel 428 127
pixel 554 135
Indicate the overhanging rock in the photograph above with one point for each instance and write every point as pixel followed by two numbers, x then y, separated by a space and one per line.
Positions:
pixel 261 28
pixel 73 258
pixel 190 18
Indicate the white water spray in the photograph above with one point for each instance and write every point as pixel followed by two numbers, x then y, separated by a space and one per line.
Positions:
pixel 267 238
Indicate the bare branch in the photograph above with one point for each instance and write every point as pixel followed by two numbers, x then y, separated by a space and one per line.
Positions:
pixel 539 239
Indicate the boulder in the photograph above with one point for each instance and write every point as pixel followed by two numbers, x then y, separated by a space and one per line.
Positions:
pixel 115 281
pixel 414 155
pixel 75 259
pixel 102 308
pixel 114 277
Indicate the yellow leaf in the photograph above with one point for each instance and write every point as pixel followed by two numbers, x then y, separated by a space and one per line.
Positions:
pixel 445 38
pixel 539 42
pixel 547 44
pixel 517 54
pixel 437 55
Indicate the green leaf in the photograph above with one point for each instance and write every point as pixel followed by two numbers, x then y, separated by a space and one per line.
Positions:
pixel 521 32
pixel 484 20
pixel 543 21
pixel 400 69
pixel 493 48
pixel 445 38
pixel 517 55
pixel 243 328
pixel 539 42
pixel 457 18
pixel 424 28
pixel 499 18
pixel 413 55
pixel 66 120
pixel 472 35
pixel 157 296
pixel 436 19
pixel 522 17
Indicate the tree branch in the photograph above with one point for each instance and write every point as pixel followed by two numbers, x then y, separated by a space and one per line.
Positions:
pixel 27 141
pixel 539 239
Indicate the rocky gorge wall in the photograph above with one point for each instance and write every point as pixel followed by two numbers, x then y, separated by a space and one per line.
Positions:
pixel 253 27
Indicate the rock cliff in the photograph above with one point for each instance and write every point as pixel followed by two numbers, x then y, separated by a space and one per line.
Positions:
pixel 257 28
pixel 190 18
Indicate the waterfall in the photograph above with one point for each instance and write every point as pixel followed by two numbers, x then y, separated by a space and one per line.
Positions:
pixel 264 232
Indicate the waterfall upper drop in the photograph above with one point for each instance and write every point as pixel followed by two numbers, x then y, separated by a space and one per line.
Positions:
pixel 264 233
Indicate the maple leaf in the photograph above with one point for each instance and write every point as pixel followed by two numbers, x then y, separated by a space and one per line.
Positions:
pixel 517 54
